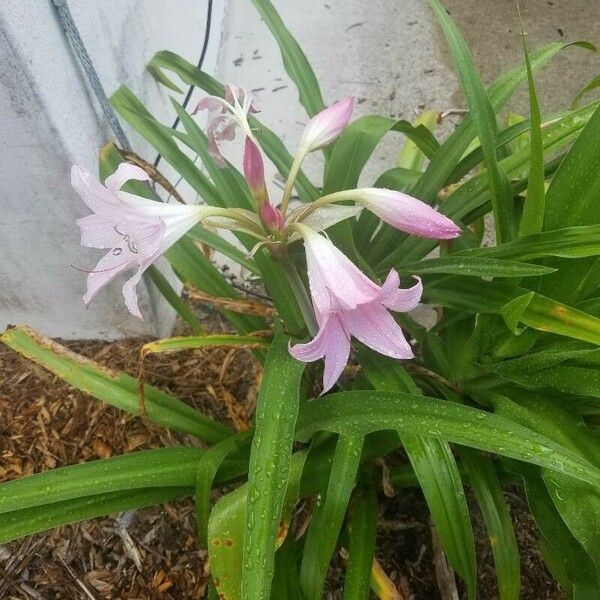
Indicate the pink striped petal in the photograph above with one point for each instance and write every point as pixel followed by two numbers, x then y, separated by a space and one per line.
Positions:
pixel 335 282
pixel 331 343
pixel 375 327
pixel 400 299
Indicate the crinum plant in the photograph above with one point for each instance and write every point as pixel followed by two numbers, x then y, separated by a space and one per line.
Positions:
pixel 501 388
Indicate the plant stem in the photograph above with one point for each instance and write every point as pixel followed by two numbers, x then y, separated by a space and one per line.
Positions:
pixel 289 184
pixel 298 289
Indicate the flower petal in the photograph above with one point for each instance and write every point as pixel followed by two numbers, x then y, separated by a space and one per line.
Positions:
pixel 98 232
pixel 130 290
pixel 335 282
pixel 375 327
pixel 123 174
pixel 211 103
pixel 108 267
pixel 400 299
pixel 92 192
pixel 407 213
pixel 332 343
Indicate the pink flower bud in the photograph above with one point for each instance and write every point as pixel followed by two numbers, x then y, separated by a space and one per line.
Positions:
pixel 408 214
pixel 272 217
pixel 254 171
pixel 324 127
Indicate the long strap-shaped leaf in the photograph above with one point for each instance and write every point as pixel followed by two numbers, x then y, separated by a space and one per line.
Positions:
pixel 24 522
pixel 294 60
pixel 532 220
pixel 276 412
pixel 472 198
pixel 485 121
pixel 163 467
pixel 326 523
pixel 362 530
pixel 357 143
pixel 112 387
pixel 486 485
pixel 436 471
pixel 517 305
pixel 363 412
pixel 206 471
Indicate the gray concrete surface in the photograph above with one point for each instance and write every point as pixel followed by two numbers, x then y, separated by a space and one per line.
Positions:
pixel 392 56
pixel 388 53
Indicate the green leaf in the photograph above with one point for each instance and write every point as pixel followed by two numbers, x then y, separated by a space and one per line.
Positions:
pixel 285 582
pixel 191 264
pixel 532 220
pixel 208 466
pixel 112 387
pixel 482 112
pixel 444 161
pixel 475 267
pixel 436 471
pixel 226 524
pixel 203 341
pixel 173 298
pixel 21 523
pixel 362 412
pixel 294 59
pixel 214 240
pixel 411 156
pixel 486 485
pixel 160 77
pixel 326 522
pixel 577 503
pixel 471 200
pixel 565 557
pixel 570 242
pixel 571 200
pixel 592 85
pixel 358 141
pixel 517 304
pixel 162 467
pixel 129 107
pixel 362 530
pixel 276 412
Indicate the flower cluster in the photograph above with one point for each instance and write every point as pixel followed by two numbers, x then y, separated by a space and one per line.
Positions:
pixel 345 302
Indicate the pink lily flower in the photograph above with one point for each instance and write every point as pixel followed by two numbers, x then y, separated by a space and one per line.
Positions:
pixel 136 230
pixel 326 126
pixel 348 304
pixel 407 213
pixel 225 114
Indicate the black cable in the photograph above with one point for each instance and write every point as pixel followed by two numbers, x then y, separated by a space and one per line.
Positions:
pixel 200 63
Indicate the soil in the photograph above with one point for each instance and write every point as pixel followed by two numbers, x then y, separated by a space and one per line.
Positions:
pixel 154 553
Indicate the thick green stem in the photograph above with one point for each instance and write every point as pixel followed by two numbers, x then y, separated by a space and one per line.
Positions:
pixel 298 289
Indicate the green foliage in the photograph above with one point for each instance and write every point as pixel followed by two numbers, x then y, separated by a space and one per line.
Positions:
pixel 504 385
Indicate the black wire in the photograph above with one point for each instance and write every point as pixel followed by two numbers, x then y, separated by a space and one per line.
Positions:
pixel 200 62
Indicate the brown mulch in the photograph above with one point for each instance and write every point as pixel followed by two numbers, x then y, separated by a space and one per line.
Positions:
pixel 154 553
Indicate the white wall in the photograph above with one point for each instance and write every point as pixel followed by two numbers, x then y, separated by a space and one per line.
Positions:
pixel 49 119
pixel 388 53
